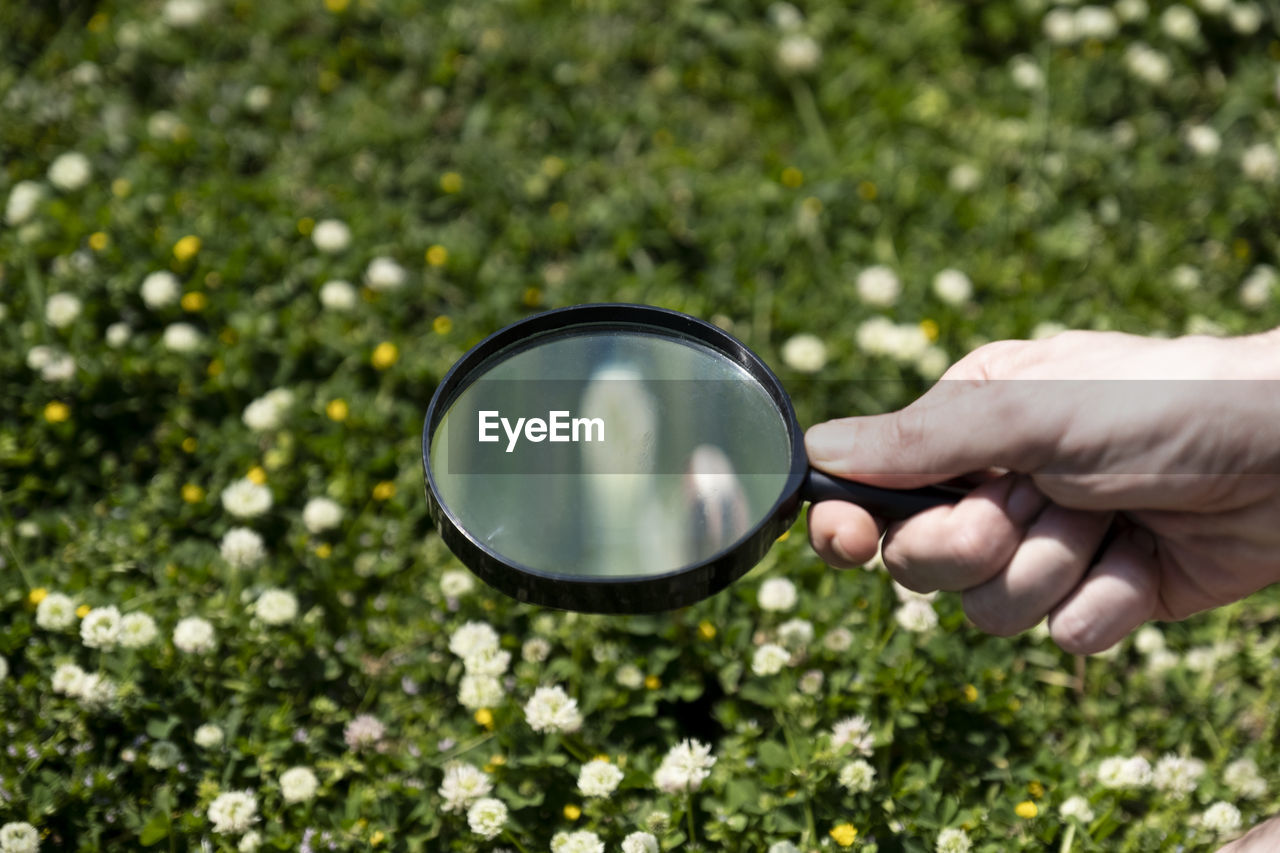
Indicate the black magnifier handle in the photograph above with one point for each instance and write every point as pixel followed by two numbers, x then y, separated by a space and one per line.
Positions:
pixel 893 504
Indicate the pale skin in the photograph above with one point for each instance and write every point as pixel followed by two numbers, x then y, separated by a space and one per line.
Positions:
pixel 1188 471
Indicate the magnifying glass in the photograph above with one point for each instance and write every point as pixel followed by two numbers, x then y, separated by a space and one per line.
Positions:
pixel 615 458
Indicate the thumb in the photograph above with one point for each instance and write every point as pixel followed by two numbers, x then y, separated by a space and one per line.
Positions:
pixel 959 426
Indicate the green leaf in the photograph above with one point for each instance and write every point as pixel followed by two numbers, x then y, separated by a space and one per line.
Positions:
pixel 774 755
pixel 154 830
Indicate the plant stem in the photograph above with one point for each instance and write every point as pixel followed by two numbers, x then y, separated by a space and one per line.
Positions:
pixel 515 841
pixel 693 834
pixel 1068 839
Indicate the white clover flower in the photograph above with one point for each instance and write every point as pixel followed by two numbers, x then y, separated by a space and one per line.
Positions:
pixel 1148 639
pixel 1177 776
pixel 1096 22
pixel 1148 64
pixel 933 362
pixel 857 776
pixel 777 594
pixel 100 628
pixel 798 53
pixel 164 125
pixel 194 635
pixel 138 630
pixel 952 287
pixel 363 731
pixel 331 236
pixel 473 638
pixel 24 199
pixel 838 639
pixel 1026 74
pixel 234 811
pixel 783 847
pixel 479 691
pixel 1203 140
pixel 963 178
pixel 298 784
pixel 62 309
pixel 551 710
pixel 463 785
pixel 163 755
pixel 242 548
pixel 70 171
pixel 487 817
pixel 160 289
pixel 258 98
pixel 684 767
pixel 641 842
pixel 182 337
pixel 1214 7
pixel 581 841
pixel 250 842
pixel 953 840
pixel 267 412
pixel 456 582
pixel 183 14
pixel 96 690
pixel 1180 24
pixel 878 285
pixel 1161 661
pixel 19 837
pixel 276 607
pixel 246 499
pixel 384 274
pixel 67 679
pixel 598 778
pixel 916 615
pixel 785 16
pixel 1060 26
pixel 117 335
pixel 535 650
pixel 795 634
pixel 1242 777
pixel 853 732
pixel 1120 773
pixel 629 676
pixel 338 295
pixel 59 368
pixel 1246 18
pixel 1260 163
pixel 56 612
pixel 321 514
pixel 1185 278
pixel 769 659
pixel 1047 329
pixel 1132 11
pixel 4 668
pixel 805 353
pixel 1076 807
pixel 208 736
pixel 1222 818
pixel 487 662
pixel 1256 290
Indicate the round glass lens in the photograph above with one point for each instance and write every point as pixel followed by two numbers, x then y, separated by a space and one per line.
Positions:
pixel 606 452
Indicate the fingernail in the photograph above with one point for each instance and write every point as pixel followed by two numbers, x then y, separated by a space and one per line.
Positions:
pixel 1025 501
pixel 826 441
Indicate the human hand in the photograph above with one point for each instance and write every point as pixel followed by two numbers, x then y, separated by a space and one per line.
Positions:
pixel 1189 470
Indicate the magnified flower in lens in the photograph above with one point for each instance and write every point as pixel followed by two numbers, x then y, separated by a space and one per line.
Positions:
pixel 685 767
pixel 551 710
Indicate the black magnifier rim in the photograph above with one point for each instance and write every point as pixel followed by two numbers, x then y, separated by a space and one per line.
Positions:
pixel 629 593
